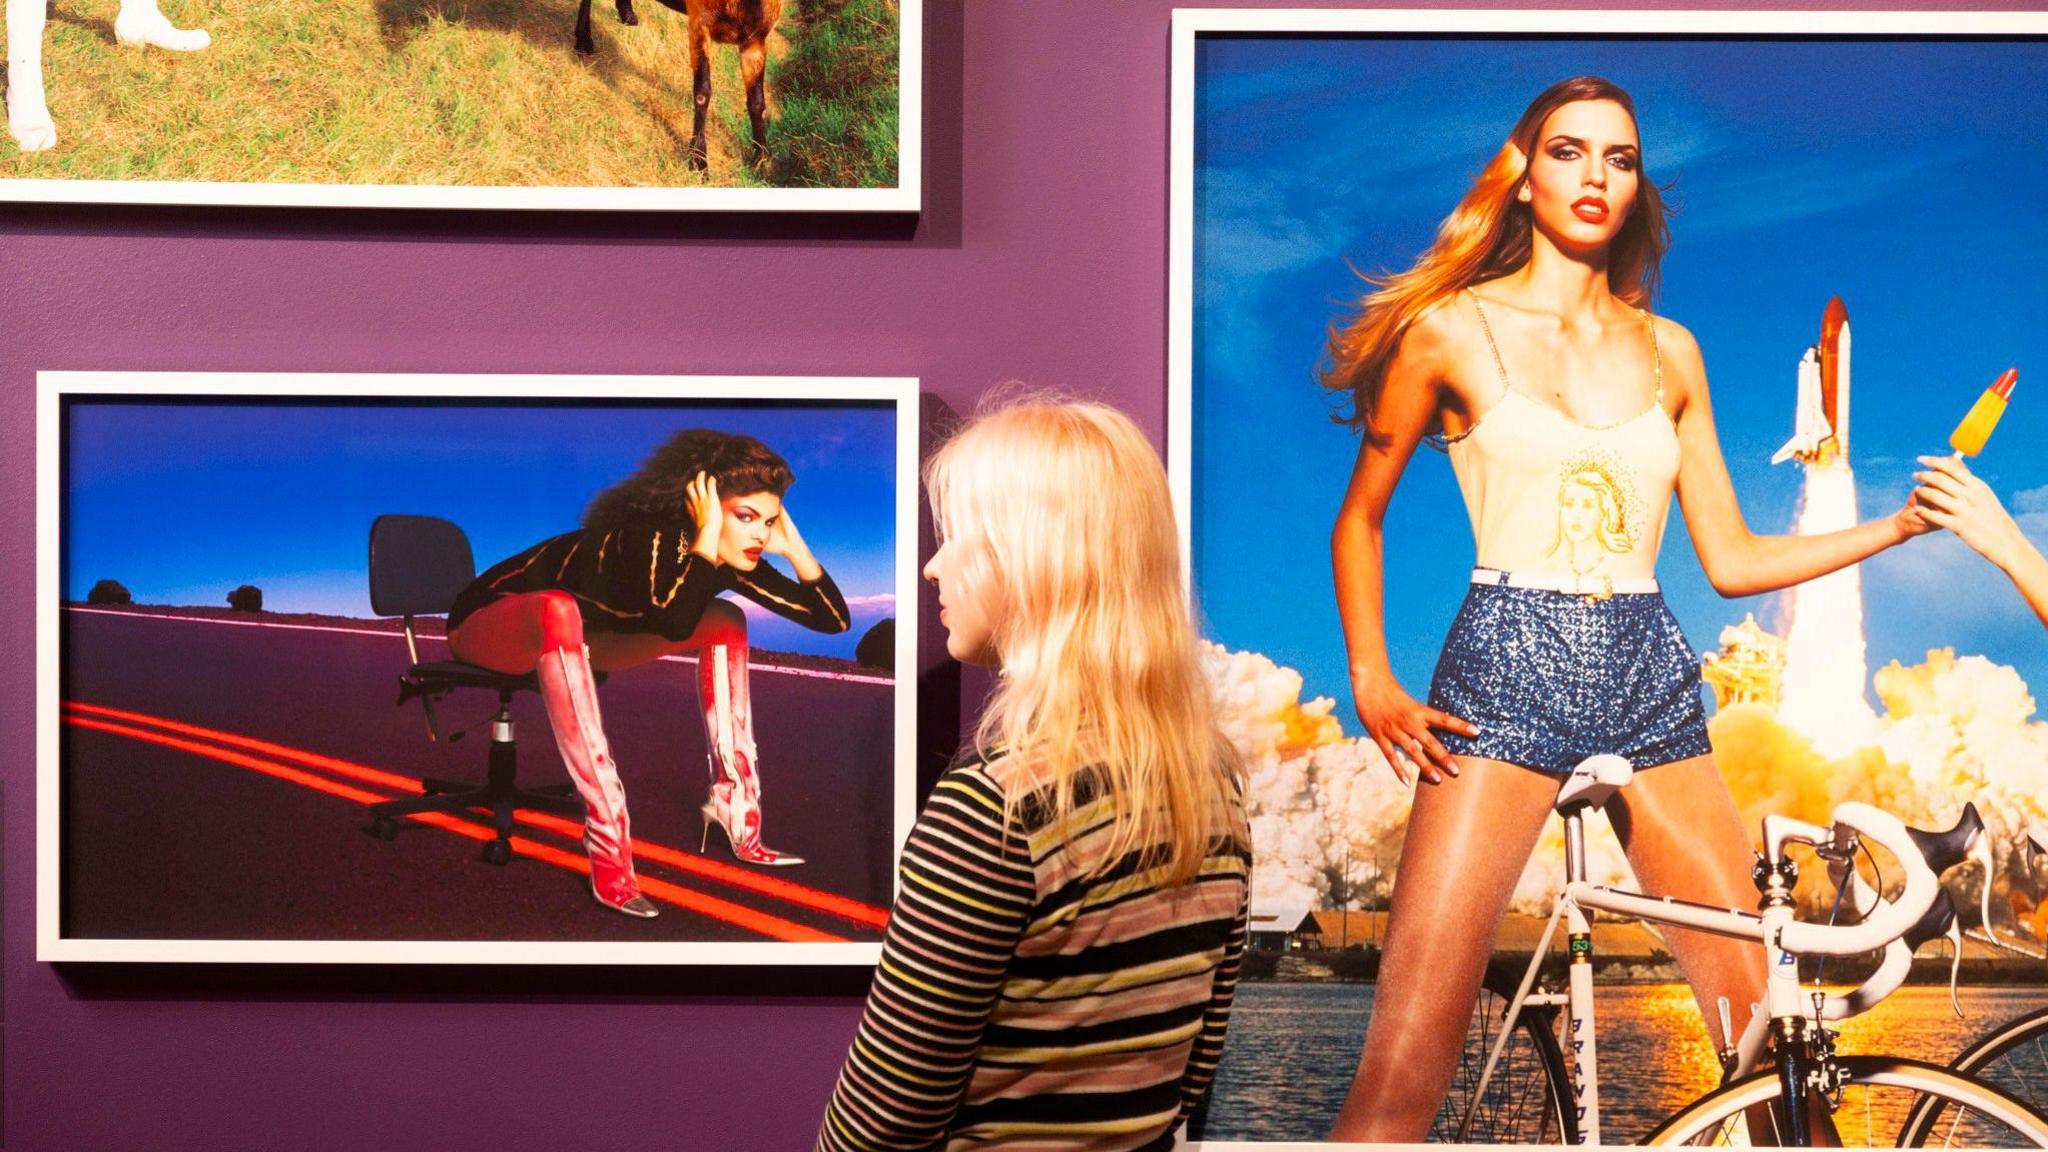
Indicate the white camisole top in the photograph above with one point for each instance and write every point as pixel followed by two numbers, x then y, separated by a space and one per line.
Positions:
pixel 1551 497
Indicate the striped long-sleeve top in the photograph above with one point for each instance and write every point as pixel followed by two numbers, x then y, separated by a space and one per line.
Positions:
pixel 1021 1005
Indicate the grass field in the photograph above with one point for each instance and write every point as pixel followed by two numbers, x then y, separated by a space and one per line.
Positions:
pixel 476 92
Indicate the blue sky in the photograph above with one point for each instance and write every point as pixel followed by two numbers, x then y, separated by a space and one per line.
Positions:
pixel 181 502
pixel 1903 177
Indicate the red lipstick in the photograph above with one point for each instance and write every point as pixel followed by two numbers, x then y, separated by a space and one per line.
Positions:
pixel 1591 209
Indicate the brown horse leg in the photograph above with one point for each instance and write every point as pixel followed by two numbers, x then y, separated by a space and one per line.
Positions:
pixel 754 73
pixel 626 14
pixel 585 46
pixel 700 65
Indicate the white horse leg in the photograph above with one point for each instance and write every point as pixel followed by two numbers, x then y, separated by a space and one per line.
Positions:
pixel 141 23
pixel 28 117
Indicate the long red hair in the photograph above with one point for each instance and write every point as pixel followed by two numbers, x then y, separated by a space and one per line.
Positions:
pixel 1485 236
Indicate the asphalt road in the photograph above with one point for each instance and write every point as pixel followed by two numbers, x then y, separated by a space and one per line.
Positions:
pixel 174 826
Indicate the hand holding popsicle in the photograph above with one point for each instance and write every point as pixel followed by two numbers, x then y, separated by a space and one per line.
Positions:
pixel 1952 497
pixel 1970 435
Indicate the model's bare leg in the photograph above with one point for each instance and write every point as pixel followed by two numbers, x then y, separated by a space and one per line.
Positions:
pixel 1686 839
pixel 1468 840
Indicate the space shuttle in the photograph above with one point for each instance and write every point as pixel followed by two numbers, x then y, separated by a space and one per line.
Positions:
pixel 1820 413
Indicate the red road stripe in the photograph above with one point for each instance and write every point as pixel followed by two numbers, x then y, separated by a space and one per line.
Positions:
pixel 828 902
pixel 771 926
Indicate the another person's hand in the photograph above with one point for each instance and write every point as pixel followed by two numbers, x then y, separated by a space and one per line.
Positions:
pixel 1401 726
pixel 1954 498
pixel 702 494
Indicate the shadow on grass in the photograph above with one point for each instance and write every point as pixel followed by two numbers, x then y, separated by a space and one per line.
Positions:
pixel 101 28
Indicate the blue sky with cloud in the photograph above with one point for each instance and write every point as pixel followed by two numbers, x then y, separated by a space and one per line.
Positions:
pixel 1903 177
pixel 182 501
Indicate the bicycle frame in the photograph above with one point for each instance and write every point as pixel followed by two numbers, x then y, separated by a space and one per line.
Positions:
pixel 1782 1008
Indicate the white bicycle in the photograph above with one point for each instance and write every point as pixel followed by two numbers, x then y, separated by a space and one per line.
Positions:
pixel 1519 1084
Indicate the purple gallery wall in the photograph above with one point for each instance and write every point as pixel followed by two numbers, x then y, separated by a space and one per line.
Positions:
pixel 1041 255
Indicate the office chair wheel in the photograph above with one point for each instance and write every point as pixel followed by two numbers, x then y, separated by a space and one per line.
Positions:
pixel 498 852
pixel 384 828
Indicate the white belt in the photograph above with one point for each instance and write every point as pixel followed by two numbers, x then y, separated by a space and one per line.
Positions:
pixel 1594 587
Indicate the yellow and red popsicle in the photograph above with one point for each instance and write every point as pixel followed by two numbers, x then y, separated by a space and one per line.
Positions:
pixel 1970 435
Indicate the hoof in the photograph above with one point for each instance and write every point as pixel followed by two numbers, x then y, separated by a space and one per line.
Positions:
pixel 154 29
pixel 34 137
pixel 585 47
pixel 627 16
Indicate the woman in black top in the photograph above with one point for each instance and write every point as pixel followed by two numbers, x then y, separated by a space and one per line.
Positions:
pixel 639 581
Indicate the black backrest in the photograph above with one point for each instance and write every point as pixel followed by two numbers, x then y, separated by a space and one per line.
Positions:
pixel 417 565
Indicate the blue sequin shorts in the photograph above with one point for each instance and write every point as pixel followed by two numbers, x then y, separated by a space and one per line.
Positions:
pixel 1551 678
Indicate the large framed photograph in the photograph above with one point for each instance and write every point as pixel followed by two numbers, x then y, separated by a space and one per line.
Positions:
pixel 442 668
pixel 620 105
pixel 1824 174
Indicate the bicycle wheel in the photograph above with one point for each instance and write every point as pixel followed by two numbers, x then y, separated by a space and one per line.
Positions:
pixel 1526 1099
pixel 2012 1059
pixel 1880 1092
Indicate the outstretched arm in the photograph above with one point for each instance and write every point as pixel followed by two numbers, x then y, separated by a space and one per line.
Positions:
pixel 1739 562
pixel 1955 499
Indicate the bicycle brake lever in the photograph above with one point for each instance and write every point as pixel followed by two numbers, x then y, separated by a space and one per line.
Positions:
pixel 1955 964
pixel 1980 854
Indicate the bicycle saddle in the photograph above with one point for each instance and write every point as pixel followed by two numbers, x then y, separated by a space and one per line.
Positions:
pixel 1593 780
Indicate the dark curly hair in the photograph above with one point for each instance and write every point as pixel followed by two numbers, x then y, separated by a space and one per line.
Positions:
pixel 659 490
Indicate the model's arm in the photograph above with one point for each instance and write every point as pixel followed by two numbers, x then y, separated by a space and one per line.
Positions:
pixel 1955 499
pixel 1397 722
pixel 960 912
pixel 1739 562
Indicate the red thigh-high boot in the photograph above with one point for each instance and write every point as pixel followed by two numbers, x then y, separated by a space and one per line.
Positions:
pixel 735 803
pixel 570 694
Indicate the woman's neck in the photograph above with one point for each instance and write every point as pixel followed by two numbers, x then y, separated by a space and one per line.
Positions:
pixel 1566 284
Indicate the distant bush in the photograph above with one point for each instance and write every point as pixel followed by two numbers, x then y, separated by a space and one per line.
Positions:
pixel 247 598
pixel 877 649
pixel 109 592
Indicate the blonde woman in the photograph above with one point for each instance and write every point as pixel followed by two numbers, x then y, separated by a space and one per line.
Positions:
pixel 1522 338
pixel 1059 966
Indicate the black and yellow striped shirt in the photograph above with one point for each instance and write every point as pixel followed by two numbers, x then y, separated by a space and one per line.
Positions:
pixel 1022 1005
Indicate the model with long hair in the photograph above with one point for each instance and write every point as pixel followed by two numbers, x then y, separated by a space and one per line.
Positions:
pixel 638 581
pixel 1522 338
pixel 1059 966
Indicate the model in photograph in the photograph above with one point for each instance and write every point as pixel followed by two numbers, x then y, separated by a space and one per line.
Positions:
pixel 638 581
pixel 1523 340
pixel 1059 966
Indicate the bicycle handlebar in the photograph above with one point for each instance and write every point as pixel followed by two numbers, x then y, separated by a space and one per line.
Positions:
pixel 1887 920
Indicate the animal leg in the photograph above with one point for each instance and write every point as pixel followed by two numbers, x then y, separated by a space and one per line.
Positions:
pixel 627 16
pixel 754 72
pixel 700 66
pixel 585 46
pixel 139 22
pixel 28 117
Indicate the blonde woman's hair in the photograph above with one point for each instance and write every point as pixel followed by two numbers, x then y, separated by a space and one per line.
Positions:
pixel 1063 512
pixel 1485 236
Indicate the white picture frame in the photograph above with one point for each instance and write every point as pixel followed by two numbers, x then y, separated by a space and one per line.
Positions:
pixel 832 938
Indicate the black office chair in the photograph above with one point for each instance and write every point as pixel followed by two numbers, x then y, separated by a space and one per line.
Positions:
pixel 417 566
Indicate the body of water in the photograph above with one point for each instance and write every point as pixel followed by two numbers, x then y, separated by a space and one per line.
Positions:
pixel 1293 1048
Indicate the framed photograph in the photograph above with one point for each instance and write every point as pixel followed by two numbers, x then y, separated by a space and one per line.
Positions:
pixel 1822 174
pixel 258 740
pixel 638 105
